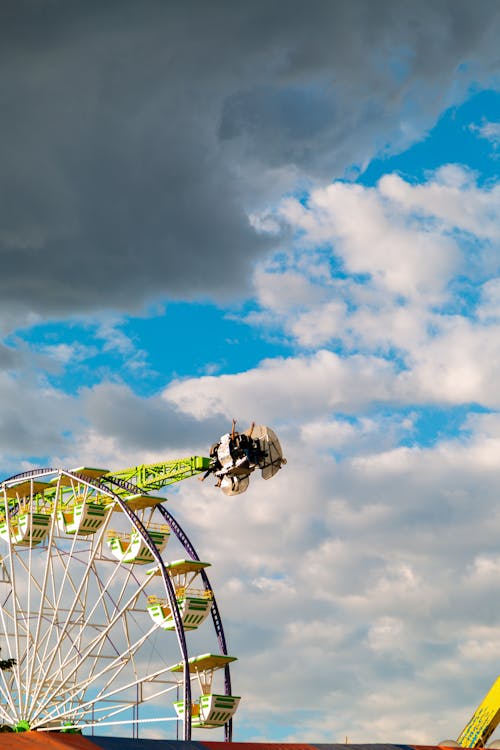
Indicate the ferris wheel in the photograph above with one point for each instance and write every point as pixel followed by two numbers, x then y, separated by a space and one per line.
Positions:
pixel 96 617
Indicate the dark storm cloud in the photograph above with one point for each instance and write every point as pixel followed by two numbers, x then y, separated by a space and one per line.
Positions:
pixel 10 358
pixel 34 421
pixel 136 137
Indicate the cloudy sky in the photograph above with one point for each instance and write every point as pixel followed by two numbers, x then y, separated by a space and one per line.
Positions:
pixel 285 212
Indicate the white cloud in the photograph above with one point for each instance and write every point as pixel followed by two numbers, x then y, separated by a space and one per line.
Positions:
pixel 406 250
pixel 451 199
pixel 460 362
pixel 385 635
pixel 280 389
pixel 485 570
pixel 371 235
pixel 321 324
pixel 482 644
pixel 280 292
pixel 329 433
pixel 488 130
pixel 489 307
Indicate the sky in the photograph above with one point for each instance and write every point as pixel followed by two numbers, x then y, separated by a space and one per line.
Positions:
pixel 287 213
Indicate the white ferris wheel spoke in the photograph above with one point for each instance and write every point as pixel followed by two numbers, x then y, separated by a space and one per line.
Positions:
pixel 117 666
pixel 121 708
pixel 64 629
pixel 30 691
pixel 102 696
pixel 120 662
pixel 99 638
pixel 17 654
pixel 76 657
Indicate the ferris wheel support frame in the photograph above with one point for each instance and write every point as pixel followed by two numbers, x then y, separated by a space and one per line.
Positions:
pixel 184 540
pixel 217 620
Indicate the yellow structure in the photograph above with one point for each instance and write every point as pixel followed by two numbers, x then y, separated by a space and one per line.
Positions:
pixel 484 720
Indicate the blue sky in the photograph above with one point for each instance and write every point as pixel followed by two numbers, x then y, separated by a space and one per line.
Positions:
pixel 234 220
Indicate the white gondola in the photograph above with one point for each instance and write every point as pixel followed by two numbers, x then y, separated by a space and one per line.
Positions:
pixel 210 710
pixel 29 523
pixel 82 518
pixel 194 603
pixel 27 529
pixel 131 547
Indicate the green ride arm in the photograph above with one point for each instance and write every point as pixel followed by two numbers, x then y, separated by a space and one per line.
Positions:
pixel 149 477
